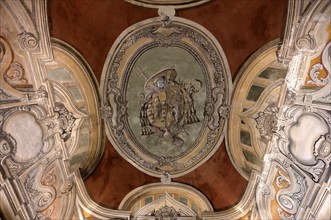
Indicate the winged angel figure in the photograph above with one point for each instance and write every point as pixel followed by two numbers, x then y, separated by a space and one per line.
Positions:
pixel 168 106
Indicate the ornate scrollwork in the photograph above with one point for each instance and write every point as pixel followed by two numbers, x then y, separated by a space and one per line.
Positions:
pixel 41 195
pixel 7 144
pixel 40 185
pixel 280 179
pixel 45 215
pixel 288 203
pixel 291 202
pixel 263 188
pixel 284 216
pixel 303 188
pixel 317 157
pixel 267 122
pixel 62 123
pixel 38 111
pixel 115 108
pixel 214 111
pixel 67 186
pixel 167 35
pixel 314 75
pixel 27 41
pixel 5 98
pixel 315 170
pixel 16 165
pixel 66 119
pixel 118 104
pixel 40 95
pixel 306 43
pixel 323 149
pixel 166 213
pixel 15 75
pixel 106 112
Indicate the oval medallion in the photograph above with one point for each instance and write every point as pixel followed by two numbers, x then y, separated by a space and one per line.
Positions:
pixel 165 90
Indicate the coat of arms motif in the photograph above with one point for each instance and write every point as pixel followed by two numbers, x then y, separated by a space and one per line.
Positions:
pixel 166 92
pixel 168 106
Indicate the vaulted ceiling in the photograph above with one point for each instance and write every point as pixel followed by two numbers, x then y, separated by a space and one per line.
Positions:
pixel 240 26
pixel 137 109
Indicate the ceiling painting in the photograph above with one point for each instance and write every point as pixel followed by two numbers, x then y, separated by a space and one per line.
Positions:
pixel 320 65
pixel 297 160
pixel 165 90
pixel 165 100
pixel 70 73
pixel 154 199
pixel 254 108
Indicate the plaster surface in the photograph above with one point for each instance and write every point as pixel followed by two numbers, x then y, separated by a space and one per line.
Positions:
pixel 240 26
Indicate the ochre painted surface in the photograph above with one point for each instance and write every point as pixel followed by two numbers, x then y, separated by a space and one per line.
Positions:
pixel 241 27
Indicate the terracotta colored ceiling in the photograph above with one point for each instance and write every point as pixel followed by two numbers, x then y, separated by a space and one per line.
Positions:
pixel 92 26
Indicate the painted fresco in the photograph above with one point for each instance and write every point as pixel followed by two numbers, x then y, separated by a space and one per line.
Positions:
pixel 164 104
pixel 166 90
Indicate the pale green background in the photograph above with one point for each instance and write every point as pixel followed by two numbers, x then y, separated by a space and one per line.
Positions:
pixel 187 68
